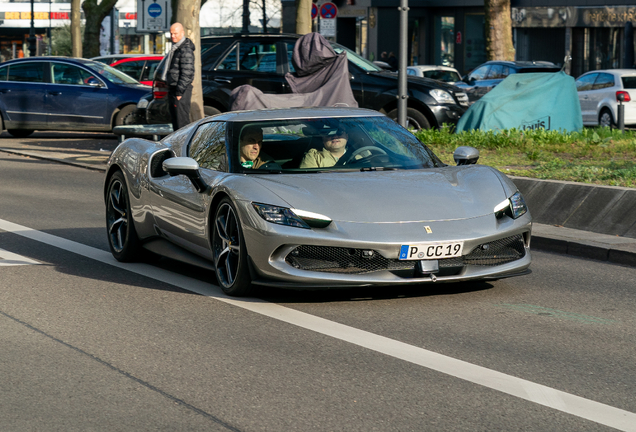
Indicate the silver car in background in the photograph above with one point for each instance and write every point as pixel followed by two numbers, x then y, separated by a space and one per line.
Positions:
pixel 389 212
pixel 599 92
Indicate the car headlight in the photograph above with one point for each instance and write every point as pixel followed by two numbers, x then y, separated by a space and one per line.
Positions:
pixel 143 103
pixel 291 217
pixel 442 96
pixel 515 207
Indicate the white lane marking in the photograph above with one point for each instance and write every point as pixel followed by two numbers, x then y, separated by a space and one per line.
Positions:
pixel 12 259
pixel 527 390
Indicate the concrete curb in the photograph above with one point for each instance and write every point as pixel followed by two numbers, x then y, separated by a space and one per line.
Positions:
pixel 95 167
pixel 560 211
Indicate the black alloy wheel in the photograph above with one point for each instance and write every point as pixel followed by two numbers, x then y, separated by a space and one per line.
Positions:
pixel 122 237
pixel 230 254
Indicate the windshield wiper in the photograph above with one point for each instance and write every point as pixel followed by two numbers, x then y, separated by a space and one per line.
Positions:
pixel 378 169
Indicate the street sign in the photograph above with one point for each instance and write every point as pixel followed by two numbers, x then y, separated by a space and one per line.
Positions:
pixel 153 16
pixel 314 11
pixel 328 11
pixel 328 27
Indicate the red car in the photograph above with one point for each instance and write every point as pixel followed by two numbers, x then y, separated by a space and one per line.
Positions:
pixel 140 68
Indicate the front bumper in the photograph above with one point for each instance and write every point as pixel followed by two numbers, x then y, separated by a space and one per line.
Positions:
pixel 449 114
pixel 271 248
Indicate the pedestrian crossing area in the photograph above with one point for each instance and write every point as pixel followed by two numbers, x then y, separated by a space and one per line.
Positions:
pixel 12 259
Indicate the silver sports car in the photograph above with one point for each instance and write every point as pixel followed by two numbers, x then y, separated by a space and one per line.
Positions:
pixel 313 197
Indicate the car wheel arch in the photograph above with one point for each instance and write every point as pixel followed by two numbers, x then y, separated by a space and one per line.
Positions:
pixel 422 108
pixel 113 117
pixel 213 103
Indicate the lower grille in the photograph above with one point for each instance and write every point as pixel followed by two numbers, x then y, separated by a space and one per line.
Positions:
pixel 342 260
pixel 359 261
pixel 497 252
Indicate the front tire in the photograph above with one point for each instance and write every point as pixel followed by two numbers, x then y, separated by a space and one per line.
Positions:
pixel 605 119
pixel 414 119
pixel 229 251
pixel 122 236
pixel 126 116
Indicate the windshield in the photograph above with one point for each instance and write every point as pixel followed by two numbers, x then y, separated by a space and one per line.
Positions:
pixel 354 58
pixel 328 144
pixel 111 74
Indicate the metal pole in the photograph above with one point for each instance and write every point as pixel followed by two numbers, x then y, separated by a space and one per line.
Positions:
pixel 402 83
pixel 621 116
pixel 32 48
pixel 49 29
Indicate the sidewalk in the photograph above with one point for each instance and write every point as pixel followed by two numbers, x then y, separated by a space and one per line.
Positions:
pixel 585 244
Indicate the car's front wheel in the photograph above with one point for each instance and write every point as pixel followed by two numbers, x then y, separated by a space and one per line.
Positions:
pixel 414 119
pixel 122 236
pixel 605 118
pixel 229 251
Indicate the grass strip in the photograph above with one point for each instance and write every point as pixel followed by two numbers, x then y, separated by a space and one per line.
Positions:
pixel 595 155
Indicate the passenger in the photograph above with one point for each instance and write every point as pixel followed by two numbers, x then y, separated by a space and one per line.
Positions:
pixel 335 146
pixel 251 145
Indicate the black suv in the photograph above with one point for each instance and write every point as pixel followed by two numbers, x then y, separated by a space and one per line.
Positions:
pixel 262 60
pixel 486 76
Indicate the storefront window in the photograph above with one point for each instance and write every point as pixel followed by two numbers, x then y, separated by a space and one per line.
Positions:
pixel 475 48
pixel 445 40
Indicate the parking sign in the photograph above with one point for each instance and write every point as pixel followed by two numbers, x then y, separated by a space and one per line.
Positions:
pixel 153 16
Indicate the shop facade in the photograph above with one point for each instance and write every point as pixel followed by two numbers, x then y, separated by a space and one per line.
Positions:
pixel 451 32
pixel 15 27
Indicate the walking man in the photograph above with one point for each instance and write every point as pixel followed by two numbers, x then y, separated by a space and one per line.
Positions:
pixel 180 76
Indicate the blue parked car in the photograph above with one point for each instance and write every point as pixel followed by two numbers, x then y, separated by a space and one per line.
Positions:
pixel 64 93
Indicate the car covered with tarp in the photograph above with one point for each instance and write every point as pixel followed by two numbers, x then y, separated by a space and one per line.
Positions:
pixel 527 102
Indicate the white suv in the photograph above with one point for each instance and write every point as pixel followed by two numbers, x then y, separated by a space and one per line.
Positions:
pixel 599 92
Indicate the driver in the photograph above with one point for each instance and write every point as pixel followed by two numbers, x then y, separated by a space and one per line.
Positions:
pixel 335 146
pixel 251 145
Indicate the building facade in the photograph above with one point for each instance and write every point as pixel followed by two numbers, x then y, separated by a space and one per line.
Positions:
pixel 595 33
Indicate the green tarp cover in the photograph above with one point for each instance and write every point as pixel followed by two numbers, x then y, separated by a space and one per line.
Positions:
pixel 527 101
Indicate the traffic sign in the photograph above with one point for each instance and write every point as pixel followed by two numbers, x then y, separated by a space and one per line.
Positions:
pixel 314 11
pixel 153 16
pixel 328 11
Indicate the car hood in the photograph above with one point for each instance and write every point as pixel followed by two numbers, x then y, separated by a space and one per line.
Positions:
pixel 448 193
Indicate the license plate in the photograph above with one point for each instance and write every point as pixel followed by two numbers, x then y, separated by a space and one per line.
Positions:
pixel 430 251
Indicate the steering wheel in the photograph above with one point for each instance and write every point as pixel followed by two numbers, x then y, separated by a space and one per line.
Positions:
pixel 372 149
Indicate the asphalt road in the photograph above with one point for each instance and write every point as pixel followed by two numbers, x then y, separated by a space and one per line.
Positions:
pixel 89 344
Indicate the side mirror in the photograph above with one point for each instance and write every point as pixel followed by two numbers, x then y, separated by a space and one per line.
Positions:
pixel 94 82
pixel 466 155
pixel 187 167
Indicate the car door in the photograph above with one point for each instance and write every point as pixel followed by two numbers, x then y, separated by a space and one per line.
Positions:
pixel 22 89
pixel 584 88
pixel 76 99
pixel 255 63
pixel 180 211
pixel 603 95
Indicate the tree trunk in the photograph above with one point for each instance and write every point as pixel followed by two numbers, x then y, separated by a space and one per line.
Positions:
pixel 498 30
pixel 94 14
pixel 303 16
pixel 76 28
pixel 187 13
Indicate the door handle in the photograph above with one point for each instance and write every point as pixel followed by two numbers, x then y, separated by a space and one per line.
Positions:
pixel 223 80
pixel 54 93
pixel 5 91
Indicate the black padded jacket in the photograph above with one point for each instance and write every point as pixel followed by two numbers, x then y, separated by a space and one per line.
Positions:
pixel 181 72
